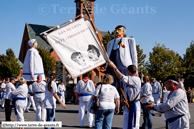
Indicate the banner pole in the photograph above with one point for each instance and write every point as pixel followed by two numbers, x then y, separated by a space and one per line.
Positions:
pixel 59 25
pixel 107 57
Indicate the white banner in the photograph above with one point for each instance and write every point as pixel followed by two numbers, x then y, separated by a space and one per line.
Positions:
pixel 78 47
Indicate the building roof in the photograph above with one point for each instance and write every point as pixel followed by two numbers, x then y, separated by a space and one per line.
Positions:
pixel 20 63
pixel 34 30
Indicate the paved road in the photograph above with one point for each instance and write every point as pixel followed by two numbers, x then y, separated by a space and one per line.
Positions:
pixel 70 119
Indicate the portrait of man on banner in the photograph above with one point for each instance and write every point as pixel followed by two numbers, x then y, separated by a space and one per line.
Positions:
pixel 78 47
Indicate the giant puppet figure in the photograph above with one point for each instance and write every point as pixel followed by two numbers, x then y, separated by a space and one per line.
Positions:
pixel 33 65
pixel 122 52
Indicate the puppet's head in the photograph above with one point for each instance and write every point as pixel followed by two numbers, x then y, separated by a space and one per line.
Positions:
pixel 33 43
pixel 120 30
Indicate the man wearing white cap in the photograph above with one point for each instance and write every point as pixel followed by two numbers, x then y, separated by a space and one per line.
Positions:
pixel 33 65
pixel 175 109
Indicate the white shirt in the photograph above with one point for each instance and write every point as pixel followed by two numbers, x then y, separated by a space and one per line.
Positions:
pixel 107 96
pixel 87 88
pixel 181 84
pixel 3 85
pixel 146 90
pixel 20 92
pixel 156 89
pixel 132 89
pixel 39 87
pixel 61 88
pixel 9 88
pixel 50 101
pixel 128 55
pixel 33 65
pixel 176 105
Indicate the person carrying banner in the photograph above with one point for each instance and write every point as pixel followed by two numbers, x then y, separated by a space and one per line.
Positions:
pixel 122 52
pixel 131 117
pixel 61 91
pixel 38 89
pixel 175 109
pixel 84 90
pixel 33 65
pixel 3 93
pixel 9 88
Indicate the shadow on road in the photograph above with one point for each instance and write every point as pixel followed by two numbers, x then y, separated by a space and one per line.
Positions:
pixel 67 111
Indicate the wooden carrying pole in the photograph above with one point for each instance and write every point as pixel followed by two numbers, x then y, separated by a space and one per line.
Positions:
pixel 107 57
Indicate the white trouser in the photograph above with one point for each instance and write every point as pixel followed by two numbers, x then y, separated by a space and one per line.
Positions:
pixel 40 111
pixel 31 101
pixel 62 97
pixel 156 101
pixel 126 116
pixel 2 100
pixel 20 113
pixel 82 109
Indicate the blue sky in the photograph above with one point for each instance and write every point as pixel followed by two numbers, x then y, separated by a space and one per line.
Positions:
pixel 168 22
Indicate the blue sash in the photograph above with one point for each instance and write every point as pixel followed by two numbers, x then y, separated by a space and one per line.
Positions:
pixel 132 115
pixel 84 94
pixel 16 98
pixel 2 97
pixel 39 92
pixel 59 94
pixel 34 73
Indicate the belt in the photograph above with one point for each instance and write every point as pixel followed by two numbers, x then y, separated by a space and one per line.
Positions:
pixel 33 74
pixel 39 92
pixel 170 120
pixel 84 94
pixel 17 98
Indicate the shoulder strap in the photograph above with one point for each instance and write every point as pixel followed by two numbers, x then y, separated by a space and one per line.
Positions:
pixel 100 90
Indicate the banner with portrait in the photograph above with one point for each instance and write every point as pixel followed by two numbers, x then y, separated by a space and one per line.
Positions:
pixel 78 47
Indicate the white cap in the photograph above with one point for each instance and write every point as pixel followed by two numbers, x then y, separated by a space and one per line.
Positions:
pixel 31 42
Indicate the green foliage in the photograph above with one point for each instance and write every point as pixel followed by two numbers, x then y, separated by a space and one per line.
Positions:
pixel 48 61
pixel 9 65
pixel 163 62
pixel 189 65
pixel 141 61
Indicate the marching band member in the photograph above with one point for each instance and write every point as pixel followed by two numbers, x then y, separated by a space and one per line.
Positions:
pixel 131 118
pixel 61 91
pixel 31 99
pixel 19 95
pixel 3 93
pixel 85 88
pixel 38 89
pixel 9 88
pixel 175 109
pixel 156 92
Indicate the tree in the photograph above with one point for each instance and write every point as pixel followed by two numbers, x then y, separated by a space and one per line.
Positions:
pixel 48 61
pixel 163 62
pixel 141 60
pixel 141 57
pixel 9 65
pixel 189 65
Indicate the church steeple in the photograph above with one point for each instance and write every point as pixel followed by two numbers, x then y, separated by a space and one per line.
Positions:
pixel 80 8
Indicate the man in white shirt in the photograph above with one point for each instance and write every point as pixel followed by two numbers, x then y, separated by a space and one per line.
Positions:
pixel 156 92
pixel 61 91
pixel 30 100
pixel 38 89
pixel 3 93
pixel 180 83
pixel 9 88
pixel 84 90
pixel 175 109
